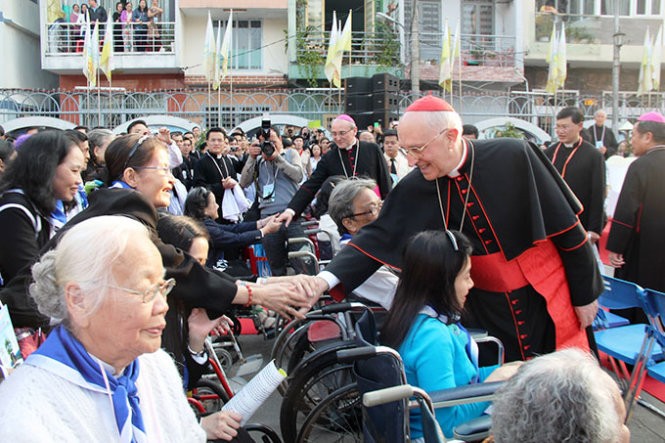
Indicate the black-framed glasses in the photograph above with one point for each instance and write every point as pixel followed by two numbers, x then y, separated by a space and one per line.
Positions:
pixel 373 210
pixel 453 240
pixel 135 148
pixel 163 288
pixel 414 152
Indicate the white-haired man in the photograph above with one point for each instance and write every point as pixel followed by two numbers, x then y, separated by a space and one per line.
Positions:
pixel 536 279
pixel 601 136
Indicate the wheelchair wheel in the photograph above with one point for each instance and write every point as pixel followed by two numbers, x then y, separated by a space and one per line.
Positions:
pixel 210 394
pixel 316 377
pixel 338 418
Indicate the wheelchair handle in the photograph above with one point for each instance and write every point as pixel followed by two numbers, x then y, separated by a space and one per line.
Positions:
pixel 387 395
pixel 351 355
pixel 337 307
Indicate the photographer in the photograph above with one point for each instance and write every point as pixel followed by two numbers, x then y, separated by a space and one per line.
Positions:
pixel 276 172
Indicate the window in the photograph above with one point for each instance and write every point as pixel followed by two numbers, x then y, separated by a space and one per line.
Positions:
pixel 246 44
pixel 429 27
pixel 478 17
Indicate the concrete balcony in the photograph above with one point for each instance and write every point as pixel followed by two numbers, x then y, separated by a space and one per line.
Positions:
pixel 142 53
pixel 266 9
pixel 589 39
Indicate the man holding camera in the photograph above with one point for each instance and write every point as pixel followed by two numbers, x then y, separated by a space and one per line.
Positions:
pixel 277 173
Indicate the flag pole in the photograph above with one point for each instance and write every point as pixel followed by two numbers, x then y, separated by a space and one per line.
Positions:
pixel 99 99
pixel 229 69
pixel 219 87
pixel 459 74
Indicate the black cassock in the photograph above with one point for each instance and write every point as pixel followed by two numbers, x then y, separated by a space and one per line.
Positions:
pixel 531 257
pixel 638 224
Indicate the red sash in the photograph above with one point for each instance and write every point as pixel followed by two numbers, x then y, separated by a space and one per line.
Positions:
pixel 542 268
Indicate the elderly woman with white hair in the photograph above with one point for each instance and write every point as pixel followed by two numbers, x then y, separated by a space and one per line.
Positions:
pixel 100 375
pixel 563 396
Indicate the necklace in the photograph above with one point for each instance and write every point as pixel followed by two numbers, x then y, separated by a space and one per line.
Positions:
pixel 468 192
pixel 355 163
pixel 570 157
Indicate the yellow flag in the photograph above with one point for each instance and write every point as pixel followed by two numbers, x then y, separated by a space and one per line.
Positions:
pixel 562 61
pixel 106 58
pixel 656 56
pixel 333 65
pixel 225 50
pixel 553 60
pixel 445 65
pixel 87 51
pixel 345 41
pixel 646 79
pixel 209 51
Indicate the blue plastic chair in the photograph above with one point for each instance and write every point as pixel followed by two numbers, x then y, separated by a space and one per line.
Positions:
pixel 655 310
pixel 630 344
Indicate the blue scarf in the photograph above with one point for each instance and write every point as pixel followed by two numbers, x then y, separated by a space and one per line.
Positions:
pixel 65 356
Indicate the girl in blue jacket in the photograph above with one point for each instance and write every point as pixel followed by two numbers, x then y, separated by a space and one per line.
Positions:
pixel 423 324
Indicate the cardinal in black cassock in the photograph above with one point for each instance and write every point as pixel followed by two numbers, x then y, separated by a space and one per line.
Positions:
pixel 533 268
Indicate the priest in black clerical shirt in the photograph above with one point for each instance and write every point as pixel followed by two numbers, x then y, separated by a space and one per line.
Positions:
pixel 582 166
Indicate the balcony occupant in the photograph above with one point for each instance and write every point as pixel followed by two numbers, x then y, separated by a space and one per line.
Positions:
pixel 536 278
pixel 140 19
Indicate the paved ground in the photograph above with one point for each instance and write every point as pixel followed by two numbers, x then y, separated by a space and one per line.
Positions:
pixel 645 426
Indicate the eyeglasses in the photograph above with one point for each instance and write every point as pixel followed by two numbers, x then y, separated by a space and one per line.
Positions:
pixel 341 133
pixel 148 295
pixel 418 151
pixel 135 148
pixel 163 169
pixel 373 210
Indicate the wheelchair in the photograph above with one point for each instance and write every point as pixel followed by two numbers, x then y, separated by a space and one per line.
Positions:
pixel 333 411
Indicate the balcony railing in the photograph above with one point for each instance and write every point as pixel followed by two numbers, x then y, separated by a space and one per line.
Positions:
pixel 366 48
pixel 384 48
pixel 131 38
pixel 585 29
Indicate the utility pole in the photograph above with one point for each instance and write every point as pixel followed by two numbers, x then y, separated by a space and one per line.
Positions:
pixel 415 49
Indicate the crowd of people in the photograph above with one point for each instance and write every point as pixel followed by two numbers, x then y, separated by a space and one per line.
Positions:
pixel 136 28
pixel 117 246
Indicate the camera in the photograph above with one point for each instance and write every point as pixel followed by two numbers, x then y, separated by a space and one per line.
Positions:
pixel 267 147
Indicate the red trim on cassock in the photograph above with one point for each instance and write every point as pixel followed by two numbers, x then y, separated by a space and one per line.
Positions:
pixel 373 257
pixel 542 268
pixel 613 220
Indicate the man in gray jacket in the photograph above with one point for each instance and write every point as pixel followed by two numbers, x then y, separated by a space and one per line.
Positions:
pixel 276 177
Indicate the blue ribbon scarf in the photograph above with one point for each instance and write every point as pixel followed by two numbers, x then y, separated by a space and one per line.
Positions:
pixel 63 355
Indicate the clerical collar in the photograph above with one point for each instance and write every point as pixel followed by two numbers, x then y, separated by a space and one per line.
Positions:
pixel 351 146
pixel 576 143
pixel 455 172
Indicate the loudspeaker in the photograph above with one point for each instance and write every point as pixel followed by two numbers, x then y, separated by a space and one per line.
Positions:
pixel 365 119
pixel 385 82
pixel 358 85
pixel 385 101
pixel 355 103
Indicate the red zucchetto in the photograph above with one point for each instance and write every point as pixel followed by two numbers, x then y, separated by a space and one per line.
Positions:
pixel 430 103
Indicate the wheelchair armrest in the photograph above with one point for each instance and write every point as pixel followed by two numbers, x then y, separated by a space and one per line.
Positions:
pixel 304 240
pixel 309 223
pixel 473 430
pixel 387 395
pixel 500 350
pixel 465 394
